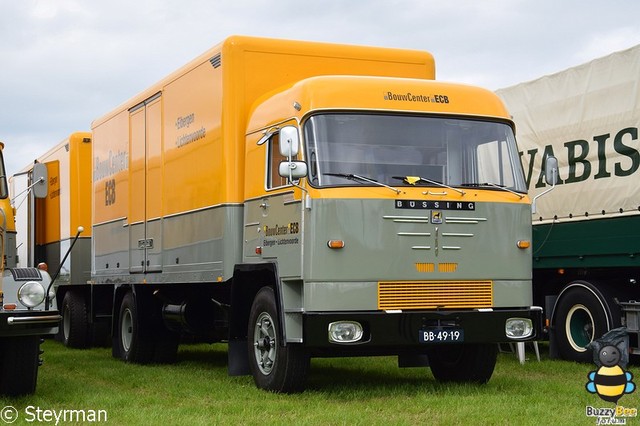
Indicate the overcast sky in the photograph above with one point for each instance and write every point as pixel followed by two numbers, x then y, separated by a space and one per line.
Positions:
pixel 64 63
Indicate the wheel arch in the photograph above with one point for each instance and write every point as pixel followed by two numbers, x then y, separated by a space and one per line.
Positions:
pixel 248 279
pixel 81 290
pixel 593 289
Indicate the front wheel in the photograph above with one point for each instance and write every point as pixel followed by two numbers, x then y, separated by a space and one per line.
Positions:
pixel 473 363
pixel 19 361
pixel 276 368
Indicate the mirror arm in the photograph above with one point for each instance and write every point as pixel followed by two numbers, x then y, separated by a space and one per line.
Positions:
pixel 551 173
pixel 39 181
pixel 533 203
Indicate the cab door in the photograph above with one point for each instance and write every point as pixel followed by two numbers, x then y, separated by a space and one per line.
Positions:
pixel 273 221
pixel 145 203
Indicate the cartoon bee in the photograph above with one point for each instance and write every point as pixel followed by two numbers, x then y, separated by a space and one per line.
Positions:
pixel 610 381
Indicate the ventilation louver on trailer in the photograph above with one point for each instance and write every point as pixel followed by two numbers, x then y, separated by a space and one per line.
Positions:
pixel 216 61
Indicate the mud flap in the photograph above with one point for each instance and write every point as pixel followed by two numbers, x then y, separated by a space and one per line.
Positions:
pixel 238 358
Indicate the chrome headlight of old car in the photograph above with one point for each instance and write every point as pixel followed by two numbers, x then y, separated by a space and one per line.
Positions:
pixel 31 294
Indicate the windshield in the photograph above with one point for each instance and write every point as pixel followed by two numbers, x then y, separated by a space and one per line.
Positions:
pixel 343 148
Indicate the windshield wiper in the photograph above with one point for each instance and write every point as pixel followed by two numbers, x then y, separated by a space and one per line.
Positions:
pixel 494 185
pixel 412 180
pixel 352 176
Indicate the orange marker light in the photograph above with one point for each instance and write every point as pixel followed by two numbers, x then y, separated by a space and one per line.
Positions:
pixel 335 244
pixel 523 244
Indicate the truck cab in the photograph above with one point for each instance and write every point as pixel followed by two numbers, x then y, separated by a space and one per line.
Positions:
pixel 395 216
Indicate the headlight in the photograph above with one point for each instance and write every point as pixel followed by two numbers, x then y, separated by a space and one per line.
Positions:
pixel 31 294
pixel 519 328
pixel 345 332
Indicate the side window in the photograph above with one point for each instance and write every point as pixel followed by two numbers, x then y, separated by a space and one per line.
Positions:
pixel 274 158
pixel 274 180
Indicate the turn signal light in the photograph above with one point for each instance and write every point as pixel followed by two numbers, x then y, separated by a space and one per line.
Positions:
pixel 335 244
pixel 523 244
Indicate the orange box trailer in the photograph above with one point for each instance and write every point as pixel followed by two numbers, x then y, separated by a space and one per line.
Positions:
pixel 57 217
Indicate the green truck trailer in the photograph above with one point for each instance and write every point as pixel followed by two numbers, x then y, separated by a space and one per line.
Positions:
pixel 586 233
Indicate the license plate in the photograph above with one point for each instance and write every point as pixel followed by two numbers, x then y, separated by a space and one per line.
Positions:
pixel 441 335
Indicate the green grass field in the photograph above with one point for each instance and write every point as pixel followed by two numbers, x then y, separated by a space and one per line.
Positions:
pixel 359 391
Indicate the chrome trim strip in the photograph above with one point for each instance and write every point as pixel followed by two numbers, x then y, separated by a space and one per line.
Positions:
pixel 452 219
pixel 406 217
pixel 34 320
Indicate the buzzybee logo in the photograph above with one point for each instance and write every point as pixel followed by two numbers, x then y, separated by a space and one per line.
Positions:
pixel 610 381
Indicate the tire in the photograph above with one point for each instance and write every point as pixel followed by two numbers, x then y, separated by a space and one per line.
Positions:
pixel 276 368
pixel 470 363
pixel 580 317
pixel 19 361
pixel 133 338
pixel 74 328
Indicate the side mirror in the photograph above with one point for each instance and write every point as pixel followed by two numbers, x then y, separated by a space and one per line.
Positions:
pixel 551 170
pixel 289 142
pixel 40 178
pixel 293 170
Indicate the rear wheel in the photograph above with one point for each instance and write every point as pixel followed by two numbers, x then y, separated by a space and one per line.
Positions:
pixel 581 317
pixel 74 327
pixel 276 368
pixel 473 363
pixel 133 339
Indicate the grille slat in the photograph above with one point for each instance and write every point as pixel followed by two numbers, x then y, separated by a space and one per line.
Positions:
pixel 435 294
pixel 26 274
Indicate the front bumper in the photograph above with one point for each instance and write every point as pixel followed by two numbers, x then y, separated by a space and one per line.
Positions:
pixel 395 332
pixel 29 323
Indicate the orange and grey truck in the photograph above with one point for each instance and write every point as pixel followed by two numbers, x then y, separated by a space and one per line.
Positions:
pixel 586 233
pixel 297 200
pixel 27 303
